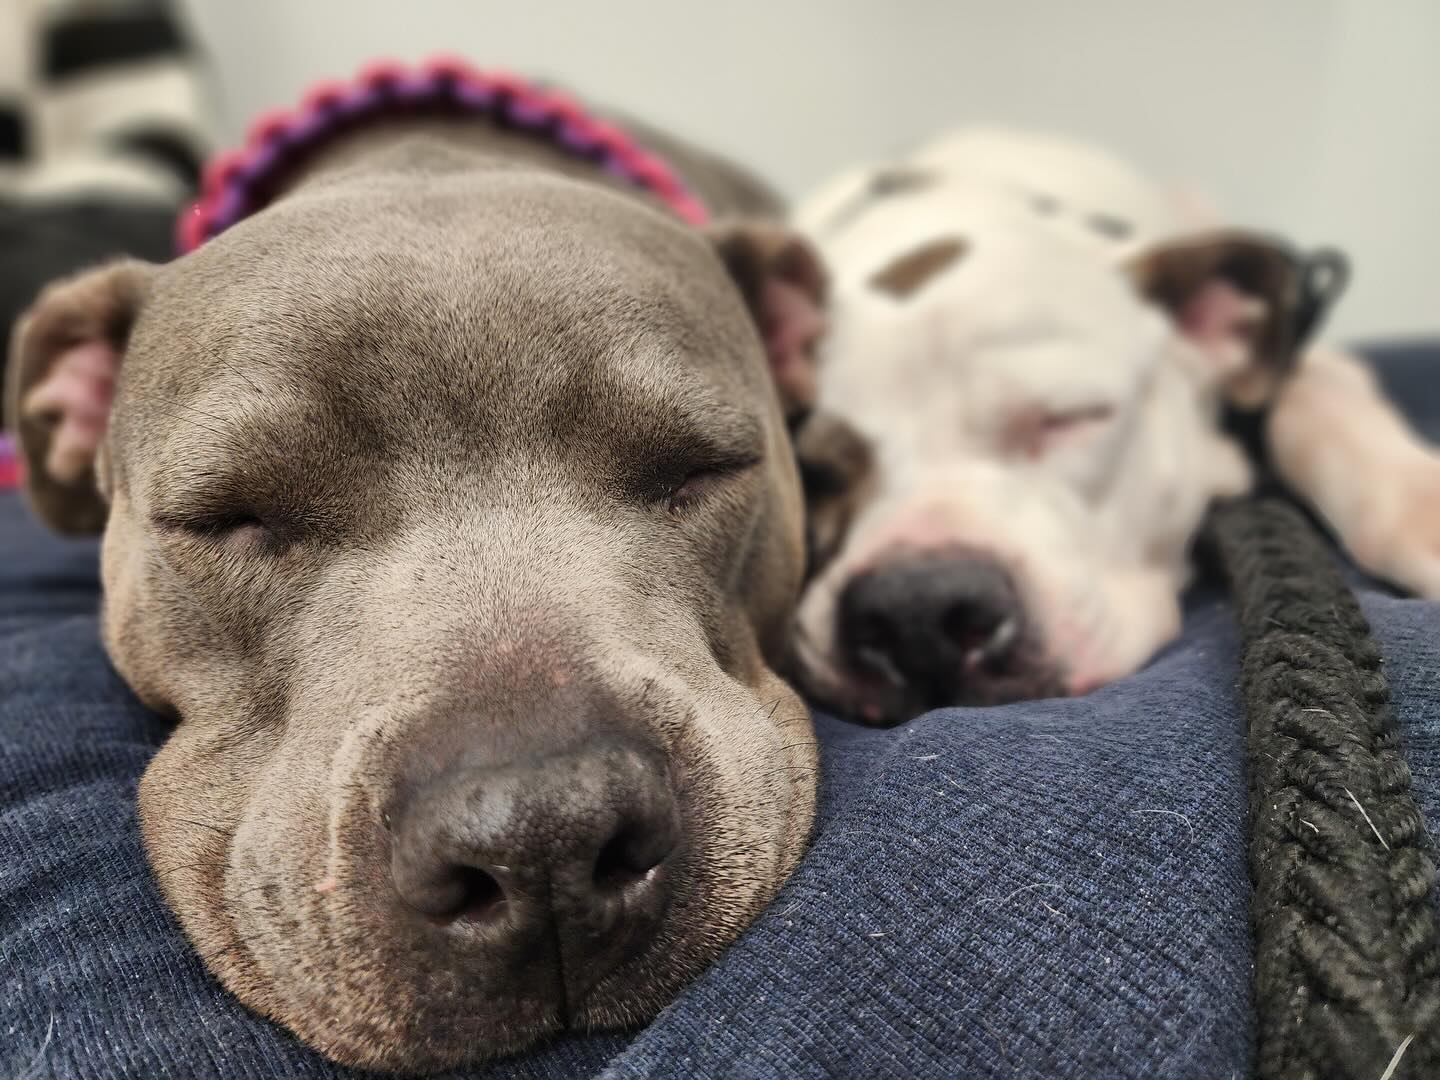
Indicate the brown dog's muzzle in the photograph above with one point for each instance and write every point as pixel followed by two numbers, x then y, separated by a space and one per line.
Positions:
pixel 491 868
pixel 550 870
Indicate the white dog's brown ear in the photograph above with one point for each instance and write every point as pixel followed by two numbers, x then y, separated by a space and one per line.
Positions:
pixel 837 474
pixel 65 353
pixel 783 282
pixel 1247 299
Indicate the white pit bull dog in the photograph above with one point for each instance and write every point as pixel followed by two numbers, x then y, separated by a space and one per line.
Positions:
pixel 1038 346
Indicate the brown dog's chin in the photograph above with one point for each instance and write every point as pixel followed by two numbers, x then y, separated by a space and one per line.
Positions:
pixel 340 990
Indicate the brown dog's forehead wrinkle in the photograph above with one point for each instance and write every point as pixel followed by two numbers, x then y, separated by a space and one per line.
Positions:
pixel 634 415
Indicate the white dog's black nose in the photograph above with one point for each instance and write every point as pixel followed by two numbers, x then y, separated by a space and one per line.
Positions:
pixel 557 866
pixel 937 626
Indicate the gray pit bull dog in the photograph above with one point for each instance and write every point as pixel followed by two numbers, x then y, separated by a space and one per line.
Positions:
pixel 449 508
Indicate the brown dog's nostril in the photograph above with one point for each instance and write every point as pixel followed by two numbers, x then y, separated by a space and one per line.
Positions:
pixel 444 884
pixel 481 897
pixel 631 854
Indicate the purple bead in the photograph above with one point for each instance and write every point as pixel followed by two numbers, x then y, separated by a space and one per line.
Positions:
pixel 362 99
pixel 575 137
pixel 474 95
pixel 613 165
pixel 261 162
pixel 415 88
pixel 229 208
pixel 309 127
pixel 526 112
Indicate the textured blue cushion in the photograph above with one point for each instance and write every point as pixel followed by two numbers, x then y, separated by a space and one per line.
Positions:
pixel 1054 888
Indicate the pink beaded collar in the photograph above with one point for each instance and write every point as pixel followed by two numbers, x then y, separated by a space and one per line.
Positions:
pixel 240 181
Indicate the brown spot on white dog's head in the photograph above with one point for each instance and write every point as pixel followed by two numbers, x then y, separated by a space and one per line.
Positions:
pixel 906 274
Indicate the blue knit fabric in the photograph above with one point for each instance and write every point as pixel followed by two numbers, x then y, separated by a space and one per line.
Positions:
pixel 1048 889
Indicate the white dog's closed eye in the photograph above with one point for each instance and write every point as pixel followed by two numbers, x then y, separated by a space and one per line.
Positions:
pixel 1038 430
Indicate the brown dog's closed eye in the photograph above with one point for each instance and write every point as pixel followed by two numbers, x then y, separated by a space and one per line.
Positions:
pixel 904 275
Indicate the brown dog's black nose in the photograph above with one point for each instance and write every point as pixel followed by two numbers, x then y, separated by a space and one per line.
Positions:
pixel 937 625
pixel 570 849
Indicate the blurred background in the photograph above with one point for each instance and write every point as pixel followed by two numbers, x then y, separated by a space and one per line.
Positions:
pixel 1318 118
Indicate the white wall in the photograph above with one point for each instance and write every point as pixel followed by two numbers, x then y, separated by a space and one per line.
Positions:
pixel 1319 118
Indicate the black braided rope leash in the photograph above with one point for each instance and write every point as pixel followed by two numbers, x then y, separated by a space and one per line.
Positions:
pixel 1347 966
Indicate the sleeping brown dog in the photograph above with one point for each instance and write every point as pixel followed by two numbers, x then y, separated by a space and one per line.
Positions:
pixel 449 508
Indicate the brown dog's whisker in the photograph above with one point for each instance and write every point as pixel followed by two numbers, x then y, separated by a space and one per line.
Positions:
pixel 200 867
pixel 177 403
pixel 784 723
pixel 771 706
pixel 240 375
pixel 204 825
pixel 187 420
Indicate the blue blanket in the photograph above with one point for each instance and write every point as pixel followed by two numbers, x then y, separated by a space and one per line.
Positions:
pixel 1054 888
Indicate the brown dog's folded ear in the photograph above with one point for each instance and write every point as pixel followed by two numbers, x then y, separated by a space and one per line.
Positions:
pixel 1248 300
pixel 64 356
pixel 783 282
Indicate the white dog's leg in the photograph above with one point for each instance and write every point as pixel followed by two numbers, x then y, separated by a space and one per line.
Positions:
pixel 1338 442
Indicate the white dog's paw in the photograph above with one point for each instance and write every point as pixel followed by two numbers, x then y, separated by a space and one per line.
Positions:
pixel 1401 541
